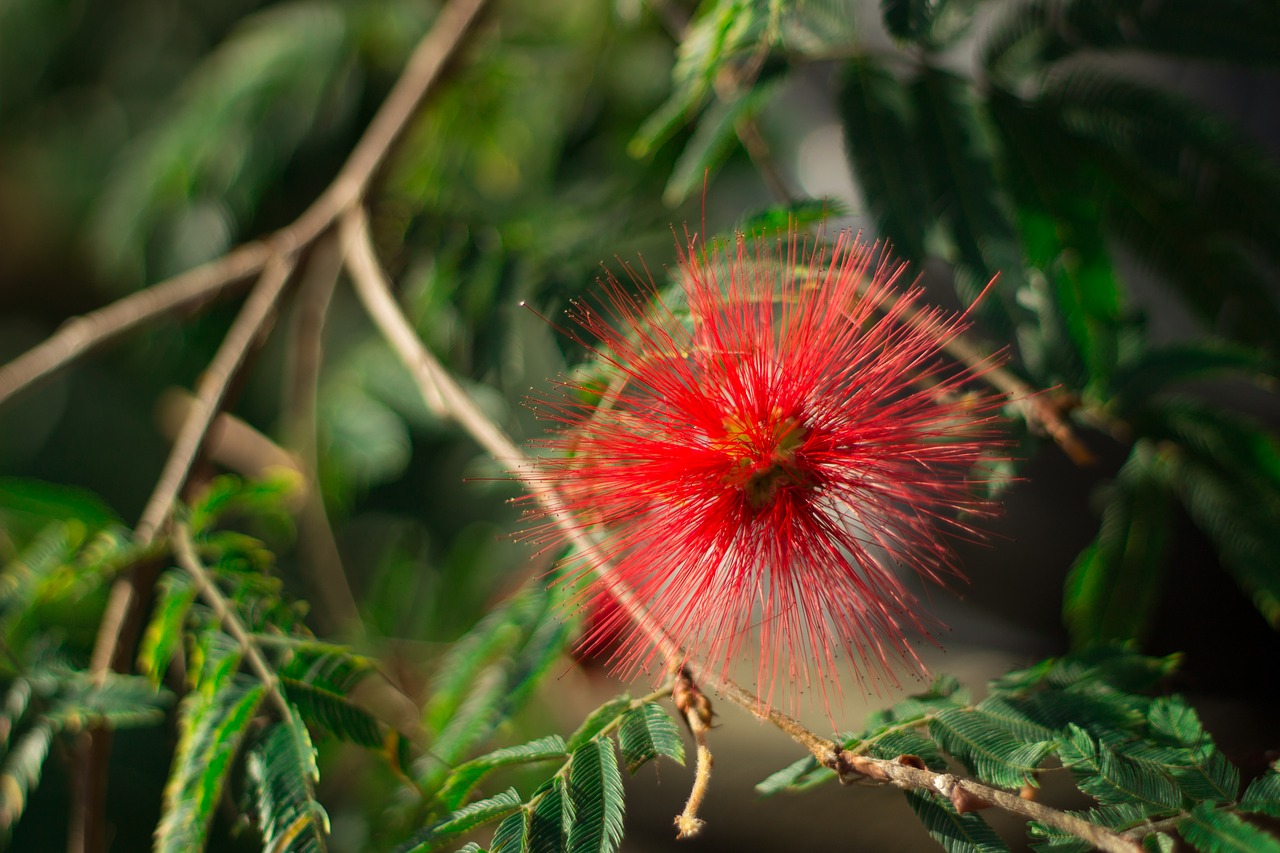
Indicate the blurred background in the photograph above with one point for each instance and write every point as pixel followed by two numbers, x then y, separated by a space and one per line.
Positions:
pixel 1116 163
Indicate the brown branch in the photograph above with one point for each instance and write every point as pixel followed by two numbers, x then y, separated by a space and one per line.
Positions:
pixel 272 258
pixel 968 795
pixel 82 334
pixel 336 608
pixel 436 384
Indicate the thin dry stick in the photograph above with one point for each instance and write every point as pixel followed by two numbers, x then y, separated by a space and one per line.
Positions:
pixel 184 549
pixel 82 334
pixel 212 387
pixel 435 382
pixel 317 546
pixel 696 709
pixel 79 335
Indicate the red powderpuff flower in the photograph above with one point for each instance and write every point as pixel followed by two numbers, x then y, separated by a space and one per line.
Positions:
pixel 773 442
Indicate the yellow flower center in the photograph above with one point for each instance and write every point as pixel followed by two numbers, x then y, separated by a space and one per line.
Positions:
pixel 763 456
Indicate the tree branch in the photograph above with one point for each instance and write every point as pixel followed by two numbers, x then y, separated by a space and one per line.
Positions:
pixel 440 389
pixel 80 335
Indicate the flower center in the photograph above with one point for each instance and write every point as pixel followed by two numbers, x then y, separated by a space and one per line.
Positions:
pixel 763 456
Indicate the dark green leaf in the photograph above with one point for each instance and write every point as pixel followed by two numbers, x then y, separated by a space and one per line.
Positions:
pixel 551 820
pixel 319 684
pixel 595 789
pixel 957 161
pixel 647 732
pixel 283 773
pixel 1214 830
pixel 467 776
pixel 1158 369
pixel 981 743
pixel 212 720
pixel 1035 34
pixel 1115 583
pixel 464 820
pixel 877 118
pixel 712 142
pixel 1228 478
pixel 957 833
pixel 1263 794
pixel 1112 778
pixel 598 720
pixel 784 779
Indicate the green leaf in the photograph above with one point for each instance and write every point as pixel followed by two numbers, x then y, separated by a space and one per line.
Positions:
pixel 27 506
pixel 646 733
pixel 877 119
pixel 1214 830
pixel 20 773
pixel 907 20
pixel 957 161
pixel 598 719
pixel 1157 369
pixel 957 833
pixel 176 191
pixel 1201 771
pixel 800 215
pixel 1263 794
pixel 1112 778
pixel 712 142
pixel 212 721
pixel 319 684
pixel 175 593
pixel 595 789
pixel 542 825
pixel 282 773
pixel 1210 237
pixel 789 776
pixel 464 820
pixel 467 776
pixel 722 31
pixel 1114 585
pixel 982 744
pixel 1227 475
pixel 1038 33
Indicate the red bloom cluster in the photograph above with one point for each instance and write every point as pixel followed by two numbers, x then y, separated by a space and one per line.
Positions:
pixel 774 440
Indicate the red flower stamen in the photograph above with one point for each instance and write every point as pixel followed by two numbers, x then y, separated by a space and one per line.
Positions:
pixel 760 465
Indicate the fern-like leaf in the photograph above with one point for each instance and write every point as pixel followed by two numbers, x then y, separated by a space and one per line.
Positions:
pixel 986 747
pixel 213 721
pixel 957 833
pixel 283 773
pixel 1214 830
pixel 595 789
pixel 175 593
pixel 647 732
pixel 467 776
pixel 463 820
pixel 319 684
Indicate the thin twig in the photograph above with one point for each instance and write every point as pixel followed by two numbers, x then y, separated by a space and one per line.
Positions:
pixel 434 381
pixel 695 707
pixel 317 546
pixel 87 832
pixel 184 549
pixel 80 335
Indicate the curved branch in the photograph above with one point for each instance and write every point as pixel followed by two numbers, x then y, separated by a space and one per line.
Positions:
pixel 80 335
pixel 443 392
